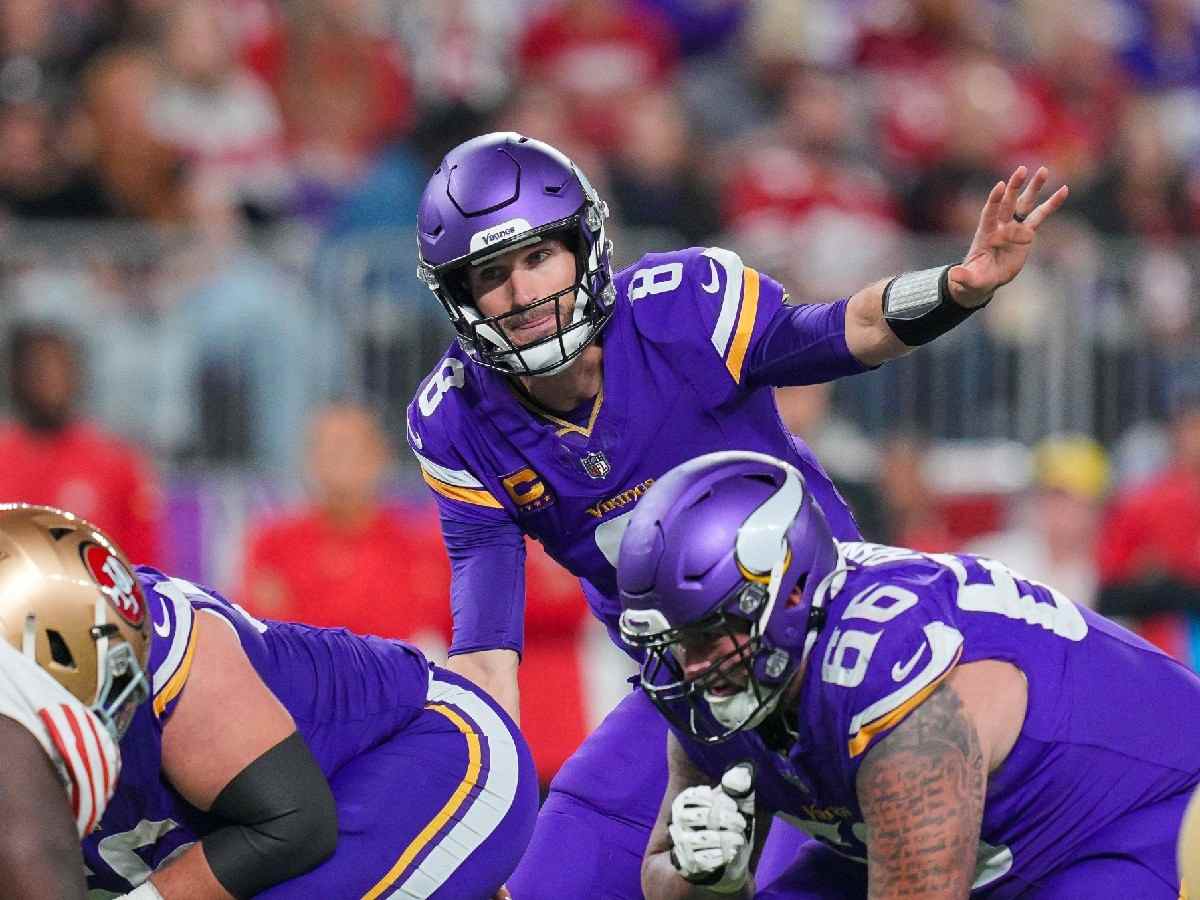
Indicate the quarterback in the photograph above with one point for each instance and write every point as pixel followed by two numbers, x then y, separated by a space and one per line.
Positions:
pixel 572 388
pixel 941 725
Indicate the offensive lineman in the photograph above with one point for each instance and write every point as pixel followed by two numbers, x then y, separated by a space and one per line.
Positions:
pixel 269 758
pixel 571 389
pixel 942 725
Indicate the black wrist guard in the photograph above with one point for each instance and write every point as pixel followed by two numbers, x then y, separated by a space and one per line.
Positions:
pixel 281 818
pixel 918 307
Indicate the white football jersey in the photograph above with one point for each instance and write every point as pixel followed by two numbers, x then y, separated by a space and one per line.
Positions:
pixel 83 752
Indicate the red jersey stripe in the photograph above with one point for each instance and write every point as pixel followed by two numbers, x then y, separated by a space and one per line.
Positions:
pixel 56 736
pixel 87 765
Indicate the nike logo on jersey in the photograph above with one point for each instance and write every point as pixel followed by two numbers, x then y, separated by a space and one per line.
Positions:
pixel 713 285
pixel 900 671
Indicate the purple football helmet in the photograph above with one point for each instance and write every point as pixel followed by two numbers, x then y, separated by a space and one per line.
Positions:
pixel 496 193
pixel 714 548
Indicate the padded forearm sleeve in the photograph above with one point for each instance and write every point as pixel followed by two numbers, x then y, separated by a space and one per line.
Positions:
pixel 281 819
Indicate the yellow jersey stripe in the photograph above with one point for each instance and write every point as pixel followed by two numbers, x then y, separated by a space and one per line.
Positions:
pixel 175 685
pixel 745 324
pixel 474 762
pixel 467 495
pixel 867 733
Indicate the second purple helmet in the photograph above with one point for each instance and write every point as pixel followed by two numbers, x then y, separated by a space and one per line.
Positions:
pixel 730 541
pixel 496 193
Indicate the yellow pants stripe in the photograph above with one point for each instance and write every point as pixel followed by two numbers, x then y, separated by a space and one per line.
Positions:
pixel 474 761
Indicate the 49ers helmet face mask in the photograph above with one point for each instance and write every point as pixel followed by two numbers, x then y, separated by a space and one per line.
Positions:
pixel 70 602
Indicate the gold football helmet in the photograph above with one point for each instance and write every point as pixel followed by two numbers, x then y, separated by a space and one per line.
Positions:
pixel 70 602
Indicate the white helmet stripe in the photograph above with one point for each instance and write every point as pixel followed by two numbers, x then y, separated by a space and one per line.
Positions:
pixel 762 539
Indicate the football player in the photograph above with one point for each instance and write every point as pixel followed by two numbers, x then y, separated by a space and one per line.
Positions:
pixel 942 725
pixel 72 664
pixel 276 759
pixel 571 389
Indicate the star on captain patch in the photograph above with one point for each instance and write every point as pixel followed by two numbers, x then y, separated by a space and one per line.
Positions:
pixel 596 464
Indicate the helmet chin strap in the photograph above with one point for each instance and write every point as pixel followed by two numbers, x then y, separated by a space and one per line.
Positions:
pixel 746 708
pixel 741 710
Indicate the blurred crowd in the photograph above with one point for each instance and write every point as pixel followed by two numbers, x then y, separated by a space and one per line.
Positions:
pixel 206 212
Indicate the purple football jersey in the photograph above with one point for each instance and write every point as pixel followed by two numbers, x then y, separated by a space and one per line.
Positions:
pixel 1105 732
pixel 346 693
pixel 687 357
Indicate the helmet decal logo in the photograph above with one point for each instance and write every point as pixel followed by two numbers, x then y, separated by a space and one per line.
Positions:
pixel 762 539
pixel 116 582
pixel 498 233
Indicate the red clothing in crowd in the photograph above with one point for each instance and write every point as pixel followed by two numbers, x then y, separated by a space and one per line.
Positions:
pixel 91 473
pixel 788 183
pixel 598 59
pixel 389 576
pixel 351 92
pixel 1154 528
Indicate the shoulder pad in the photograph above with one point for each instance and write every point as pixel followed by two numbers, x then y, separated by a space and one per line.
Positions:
pixel 433 418
pixel 173 642
pixel 706 297
pixel 887 650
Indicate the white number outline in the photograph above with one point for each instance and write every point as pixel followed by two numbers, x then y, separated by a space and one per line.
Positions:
pixel 1002 595
pixel 645 282
pixel 117 850
pixel 439 384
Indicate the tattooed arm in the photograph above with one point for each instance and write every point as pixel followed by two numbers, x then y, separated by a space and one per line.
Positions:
pixel 922 787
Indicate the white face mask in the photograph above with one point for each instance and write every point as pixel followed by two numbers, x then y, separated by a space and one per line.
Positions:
pixel 741 710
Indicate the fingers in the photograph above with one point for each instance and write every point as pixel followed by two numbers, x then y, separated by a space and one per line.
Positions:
pixel 990 217
pixel 1008 202
pixel 1047 207
pixel 1028 199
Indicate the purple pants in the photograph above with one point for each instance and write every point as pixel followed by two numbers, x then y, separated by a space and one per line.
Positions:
pixel 593 828
pixel 443 809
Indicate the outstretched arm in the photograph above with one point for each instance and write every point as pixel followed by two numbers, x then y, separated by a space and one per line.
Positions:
pixel 1008 224
pixel 39 844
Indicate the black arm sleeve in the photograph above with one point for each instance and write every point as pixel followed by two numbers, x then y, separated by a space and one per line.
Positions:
pixel 282 821
pixel 1147 598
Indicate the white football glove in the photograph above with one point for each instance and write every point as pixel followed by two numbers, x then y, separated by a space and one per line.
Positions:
pixel 712 831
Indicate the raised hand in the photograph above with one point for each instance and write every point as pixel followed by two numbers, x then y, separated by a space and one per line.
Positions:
pixel 1007 226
